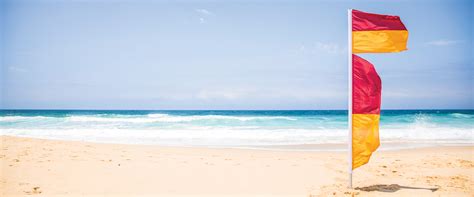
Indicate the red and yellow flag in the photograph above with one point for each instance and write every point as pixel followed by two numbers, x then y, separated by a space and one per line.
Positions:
pixel 366 96
pixel 371 33
pixel 375 33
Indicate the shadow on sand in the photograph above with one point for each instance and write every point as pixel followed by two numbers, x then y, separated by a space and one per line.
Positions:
pixel 391 188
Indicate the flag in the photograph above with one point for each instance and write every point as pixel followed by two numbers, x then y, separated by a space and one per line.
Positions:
pixel 366 99
pixel 371 33
pixel 376 33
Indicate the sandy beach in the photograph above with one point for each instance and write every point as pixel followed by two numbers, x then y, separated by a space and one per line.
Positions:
pixel 65 168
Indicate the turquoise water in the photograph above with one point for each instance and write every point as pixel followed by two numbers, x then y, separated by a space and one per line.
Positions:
pixel 233 128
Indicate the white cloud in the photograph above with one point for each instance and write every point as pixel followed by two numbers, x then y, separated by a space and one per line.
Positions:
pixel 204 12
pixel 17 69
pixel 222 94
pixel 329 48
pixel 444 42
pixel 203 15
pixel 297 94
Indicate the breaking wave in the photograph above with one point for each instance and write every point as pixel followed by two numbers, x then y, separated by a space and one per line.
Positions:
pixel 234 129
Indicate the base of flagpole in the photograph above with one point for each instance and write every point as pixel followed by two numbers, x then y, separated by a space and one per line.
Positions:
pixel 350 181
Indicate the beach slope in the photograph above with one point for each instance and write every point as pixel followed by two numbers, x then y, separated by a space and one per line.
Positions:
pixel 64 168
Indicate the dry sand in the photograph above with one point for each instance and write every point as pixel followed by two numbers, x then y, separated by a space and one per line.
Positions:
pixel 62 168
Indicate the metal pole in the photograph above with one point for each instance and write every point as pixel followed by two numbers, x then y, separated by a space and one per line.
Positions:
pixel 349 100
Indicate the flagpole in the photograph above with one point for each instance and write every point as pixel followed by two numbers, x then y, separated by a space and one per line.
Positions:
pixel 349 100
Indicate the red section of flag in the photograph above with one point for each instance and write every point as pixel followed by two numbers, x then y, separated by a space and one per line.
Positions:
pixel 366 87
pixel 363 21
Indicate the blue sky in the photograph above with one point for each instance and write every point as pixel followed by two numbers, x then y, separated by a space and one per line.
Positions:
pixel 151 54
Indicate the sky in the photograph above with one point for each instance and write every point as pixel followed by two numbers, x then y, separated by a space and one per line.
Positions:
pixel 290 54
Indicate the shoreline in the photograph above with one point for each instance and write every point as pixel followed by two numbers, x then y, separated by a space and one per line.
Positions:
pixel 322 147
pixel 72 168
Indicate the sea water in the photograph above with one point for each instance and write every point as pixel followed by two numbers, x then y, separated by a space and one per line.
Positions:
pixel 234 128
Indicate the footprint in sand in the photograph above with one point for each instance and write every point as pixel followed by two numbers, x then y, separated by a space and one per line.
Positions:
pixel 465 163
pixel 35 190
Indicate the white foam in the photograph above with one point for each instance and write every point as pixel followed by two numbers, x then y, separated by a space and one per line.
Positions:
pixel 241 136
pixel 108 119
pixel 460 115
pixel 169 118
pixel 22 118
pixel 221 130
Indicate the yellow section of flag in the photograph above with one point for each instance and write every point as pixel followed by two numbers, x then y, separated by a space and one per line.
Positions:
pixel 365 137
pixel 379 41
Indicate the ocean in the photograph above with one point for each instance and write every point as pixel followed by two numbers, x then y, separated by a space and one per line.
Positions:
pixel 234 128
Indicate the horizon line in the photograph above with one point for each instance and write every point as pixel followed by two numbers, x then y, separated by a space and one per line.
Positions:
pixel 65 109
